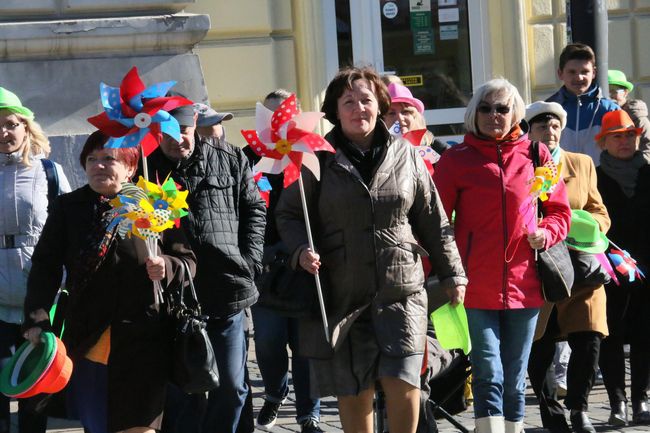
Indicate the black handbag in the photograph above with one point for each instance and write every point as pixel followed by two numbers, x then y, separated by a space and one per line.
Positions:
pixel 553 264
pixel 589 273
pixel 194 366
pixel 289 292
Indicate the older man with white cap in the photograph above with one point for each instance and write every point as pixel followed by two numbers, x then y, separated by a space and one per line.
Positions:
pixel 580 319
pixel 209 121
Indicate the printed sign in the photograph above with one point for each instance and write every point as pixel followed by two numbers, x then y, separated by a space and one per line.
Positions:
pixel 448 32
pixel 390 10
pixel 420 5
pixel 448 15
pixel 412 80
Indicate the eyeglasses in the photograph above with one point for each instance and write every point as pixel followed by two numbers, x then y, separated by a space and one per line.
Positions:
pixel 10 126
pixel 487 109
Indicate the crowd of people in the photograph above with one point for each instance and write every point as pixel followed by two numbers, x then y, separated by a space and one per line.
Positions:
pixel 403 223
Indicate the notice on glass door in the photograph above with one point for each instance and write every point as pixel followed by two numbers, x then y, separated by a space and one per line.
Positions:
pixel 450 15
pixel 448 32
pixel 423 42
pixel 420 5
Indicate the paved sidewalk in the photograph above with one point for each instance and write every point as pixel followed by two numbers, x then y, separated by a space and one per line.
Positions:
pixel 599 411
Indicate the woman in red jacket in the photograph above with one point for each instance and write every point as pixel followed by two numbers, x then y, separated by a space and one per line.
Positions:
pixel 485 181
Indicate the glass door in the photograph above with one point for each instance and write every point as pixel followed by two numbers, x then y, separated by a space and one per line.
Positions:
pixel 437 48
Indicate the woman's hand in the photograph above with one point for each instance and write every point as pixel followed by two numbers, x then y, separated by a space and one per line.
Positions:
pixel 155 268
pixel 309 261
pixel 456 294
pixel 33 334
pixel 537 240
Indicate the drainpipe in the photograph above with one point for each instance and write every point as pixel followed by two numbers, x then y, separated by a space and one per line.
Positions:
pixel 587 23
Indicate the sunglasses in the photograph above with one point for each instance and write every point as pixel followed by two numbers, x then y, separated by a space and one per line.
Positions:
pixel 487 109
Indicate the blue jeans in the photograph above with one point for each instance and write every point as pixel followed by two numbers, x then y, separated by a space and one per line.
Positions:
pixel 273 332
pixel 224 405
pixel 501 342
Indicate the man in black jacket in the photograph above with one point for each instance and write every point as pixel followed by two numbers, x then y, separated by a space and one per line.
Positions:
pixel 225 227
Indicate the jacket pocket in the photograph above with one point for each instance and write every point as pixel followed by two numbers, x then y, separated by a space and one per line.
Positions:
pixel 401 326
pixel 216 191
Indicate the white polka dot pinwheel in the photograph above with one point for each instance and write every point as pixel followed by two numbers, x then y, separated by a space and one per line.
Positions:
pixel 284 140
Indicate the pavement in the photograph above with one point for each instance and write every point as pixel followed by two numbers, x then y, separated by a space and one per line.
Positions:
pixel 599 412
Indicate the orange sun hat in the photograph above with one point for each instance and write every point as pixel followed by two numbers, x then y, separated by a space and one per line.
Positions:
pixel 616 121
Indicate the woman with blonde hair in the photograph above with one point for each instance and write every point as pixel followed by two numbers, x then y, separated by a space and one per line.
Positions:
pixel 25 178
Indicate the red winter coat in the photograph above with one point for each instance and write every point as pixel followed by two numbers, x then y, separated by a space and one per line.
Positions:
pixel 486 182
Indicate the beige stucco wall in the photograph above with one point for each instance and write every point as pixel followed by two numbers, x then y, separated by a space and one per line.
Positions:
pixel 255 46
pixel 629 31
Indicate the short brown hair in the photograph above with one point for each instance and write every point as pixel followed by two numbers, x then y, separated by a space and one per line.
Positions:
pixel 129 156
pixel 577 52
pixel 343 81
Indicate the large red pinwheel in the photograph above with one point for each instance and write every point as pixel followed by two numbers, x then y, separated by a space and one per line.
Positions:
pixel 284 141
pixel 135 114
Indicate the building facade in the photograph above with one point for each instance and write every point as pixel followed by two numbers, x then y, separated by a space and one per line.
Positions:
pixel 441 48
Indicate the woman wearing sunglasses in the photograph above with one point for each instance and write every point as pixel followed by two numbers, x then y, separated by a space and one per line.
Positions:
pixel 485 180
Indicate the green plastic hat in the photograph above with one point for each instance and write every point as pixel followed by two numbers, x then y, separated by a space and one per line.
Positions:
pixel 9 101
pixel 585 234
pixel 618 78
pixel 450 324
pixel 25 368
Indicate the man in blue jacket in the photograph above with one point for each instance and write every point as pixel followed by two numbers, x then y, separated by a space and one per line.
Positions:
pixel 582 99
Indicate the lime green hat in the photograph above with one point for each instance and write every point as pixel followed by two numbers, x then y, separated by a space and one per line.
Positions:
pixel 9 101
pixel 618 78
pixel 585 234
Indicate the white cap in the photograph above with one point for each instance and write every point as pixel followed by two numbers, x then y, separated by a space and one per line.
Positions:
pixel 541 107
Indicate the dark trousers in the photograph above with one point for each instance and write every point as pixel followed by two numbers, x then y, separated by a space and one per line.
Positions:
pixel 628 319
pixel 581 373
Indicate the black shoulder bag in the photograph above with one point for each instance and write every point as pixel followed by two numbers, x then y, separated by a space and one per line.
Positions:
pixel 553 264
pixel 194 366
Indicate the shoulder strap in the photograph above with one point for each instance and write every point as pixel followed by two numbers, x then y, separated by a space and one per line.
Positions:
pixel 52 181
pixel 534 150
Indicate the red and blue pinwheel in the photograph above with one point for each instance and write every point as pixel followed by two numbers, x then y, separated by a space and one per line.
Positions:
pixel 135 114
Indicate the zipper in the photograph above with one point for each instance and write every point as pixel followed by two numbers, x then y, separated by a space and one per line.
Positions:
pixel 578 149
pixel 505 225
pixel 469 249
pixel 372 212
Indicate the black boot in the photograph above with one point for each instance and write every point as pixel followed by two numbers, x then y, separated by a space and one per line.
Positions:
pixel 640 412
pixel 580 422
pixel 618 415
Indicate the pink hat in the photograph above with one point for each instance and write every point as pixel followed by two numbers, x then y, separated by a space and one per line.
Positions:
pixel 399 93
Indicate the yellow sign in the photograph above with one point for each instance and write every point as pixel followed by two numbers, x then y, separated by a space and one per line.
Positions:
pixel 412 80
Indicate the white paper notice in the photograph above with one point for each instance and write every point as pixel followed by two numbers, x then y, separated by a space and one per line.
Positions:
pixel 448 15
pixel 419 5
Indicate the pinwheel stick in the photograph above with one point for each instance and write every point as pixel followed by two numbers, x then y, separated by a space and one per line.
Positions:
pixel 152 249
pixel 311 247
pixel 145 169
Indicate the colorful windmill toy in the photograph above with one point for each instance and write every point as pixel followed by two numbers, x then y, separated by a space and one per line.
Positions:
pixel 135 114
pixel 284 140
pixel 625 264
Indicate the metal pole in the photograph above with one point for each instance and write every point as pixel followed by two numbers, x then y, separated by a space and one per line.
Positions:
pixel 588 24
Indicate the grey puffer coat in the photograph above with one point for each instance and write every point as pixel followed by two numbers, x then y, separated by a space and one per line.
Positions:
pixel 367 237
pixel 23 212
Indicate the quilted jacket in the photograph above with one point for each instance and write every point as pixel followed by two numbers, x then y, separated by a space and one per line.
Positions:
pixel 225 225
pixel 367 237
